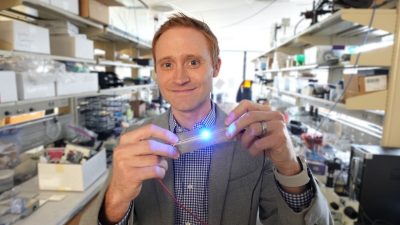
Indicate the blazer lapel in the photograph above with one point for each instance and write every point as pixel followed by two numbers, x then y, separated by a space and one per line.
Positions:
pixel 219 175
pixel 166 204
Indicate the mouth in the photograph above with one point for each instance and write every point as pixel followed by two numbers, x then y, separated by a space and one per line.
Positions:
pixel 183 91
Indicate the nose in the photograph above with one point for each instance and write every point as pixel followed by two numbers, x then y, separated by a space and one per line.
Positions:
pixel 181 76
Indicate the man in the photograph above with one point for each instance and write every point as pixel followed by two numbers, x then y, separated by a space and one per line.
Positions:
pixel 221 184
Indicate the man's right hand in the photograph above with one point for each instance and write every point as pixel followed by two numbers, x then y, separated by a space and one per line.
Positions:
pixel 137 158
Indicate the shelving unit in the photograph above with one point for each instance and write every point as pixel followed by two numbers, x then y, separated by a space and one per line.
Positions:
pixel 106 37
pixel 94 30
pixel 352 109
pixel 345 27
pixel 349 27
pixel 46 56
pixel 21 107
pixel 49 12
pixel 102 62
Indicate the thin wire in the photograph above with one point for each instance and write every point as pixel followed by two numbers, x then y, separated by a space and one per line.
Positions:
pixel 297 24
pixel 251 16
pixel 180 205
pixel 354 67
pixel 260 177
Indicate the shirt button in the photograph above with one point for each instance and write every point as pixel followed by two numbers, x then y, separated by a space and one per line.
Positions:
pixel 190 186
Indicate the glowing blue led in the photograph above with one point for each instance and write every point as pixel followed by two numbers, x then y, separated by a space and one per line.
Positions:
pixel 231 129
pixel 205 134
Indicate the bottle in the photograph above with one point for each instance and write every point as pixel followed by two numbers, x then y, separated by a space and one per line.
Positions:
pixel 340 183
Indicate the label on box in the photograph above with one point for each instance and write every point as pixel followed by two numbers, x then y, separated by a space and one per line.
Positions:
pixel 375 83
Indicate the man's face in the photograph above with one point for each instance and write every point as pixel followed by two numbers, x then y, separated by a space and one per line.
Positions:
pixel 184 68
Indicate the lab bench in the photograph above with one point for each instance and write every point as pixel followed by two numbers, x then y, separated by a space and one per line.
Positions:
pixel 61 211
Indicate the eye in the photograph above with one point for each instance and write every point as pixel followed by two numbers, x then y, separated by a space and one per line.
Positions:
pixel 166 65
pixel 193 63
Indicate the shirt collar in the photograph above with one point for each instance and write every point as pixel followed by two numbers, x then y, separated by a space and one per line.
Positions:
pixel 207 121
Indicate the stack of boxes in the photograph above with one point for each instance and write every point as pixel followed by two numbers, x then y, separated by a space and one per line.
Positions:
pixel 66 41
pixel 365 81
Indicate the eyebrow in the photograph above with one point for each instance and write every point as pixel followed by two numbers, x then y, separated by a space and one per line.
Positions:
pixel 186 56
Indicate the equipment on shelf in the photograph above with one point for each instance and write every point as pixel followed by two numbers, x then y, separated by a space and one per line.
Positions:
pixel 296 127
pixel 330 6
pixel 374 180
pixel 109 80
pixel 104 114
pixel 244 91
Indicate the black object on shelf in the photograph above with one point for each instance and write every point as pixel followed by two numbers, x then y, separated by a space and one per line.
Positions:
pixel 143 62
pixel 296 127
pixel 322 7
pixel 333 165
pixel 109 80
pixel 137 81
pixel 374 180
pixel 245 91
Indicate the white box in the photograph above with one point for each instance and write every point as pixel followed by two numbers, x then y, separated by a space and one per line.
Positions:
pixel 77 83
pixel 30 87
pixel 68 5
pixel 71 177
pixel 60 27
pixel 76 47
pixel 375 83
pixel 8 87
pixel 315 54
pixel 17 35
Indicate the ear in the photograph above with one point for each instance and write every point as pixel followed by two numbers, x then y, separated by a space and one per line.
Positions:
pixel 217 66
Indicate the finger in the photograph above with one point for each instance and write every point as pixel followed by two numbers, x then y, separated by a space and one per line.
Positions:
pixel 163 163
pixel 149 131
pixel 145 161
pixel 146 173
pixel 270 142
pixel 250 134
pixel 243 107
pixel 252 117
pixel 148 147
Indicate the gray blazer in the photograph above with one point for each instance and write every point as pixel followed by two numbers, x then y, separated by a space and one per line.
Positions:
pixel 233 175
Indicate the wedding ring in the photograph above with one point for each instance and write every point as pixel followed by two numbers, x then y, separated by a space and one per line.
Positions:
pixel 263 128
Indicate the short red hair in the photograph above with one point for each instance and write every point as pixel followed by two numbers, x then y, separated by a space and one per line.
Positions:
pixel 181 20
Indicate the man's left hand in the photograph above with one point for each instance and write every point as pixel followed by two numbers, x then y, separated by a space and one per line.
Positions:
pixel 263 131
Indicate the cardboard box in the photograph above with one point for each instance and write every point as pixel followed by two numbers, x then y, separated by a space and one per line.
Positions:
pixel 95 10
pixel 361 84
pixel 60 27
pixel 139 108
pixel 72 46
pixel 8 87
pixel 29 88
pixel 25 117
pixel 20 36
pixel 71 177
pixel 77 83
pixel 68 5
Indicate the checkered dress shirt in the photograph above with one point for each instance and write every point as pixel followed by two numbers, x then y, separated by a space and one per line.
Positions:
pixel 191 173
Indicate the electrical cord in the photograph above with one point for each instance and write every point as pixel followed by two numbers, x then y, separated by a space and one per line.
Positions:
pixel 179 204
pixel 260 178
pixel 251 16
pixel 297 24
